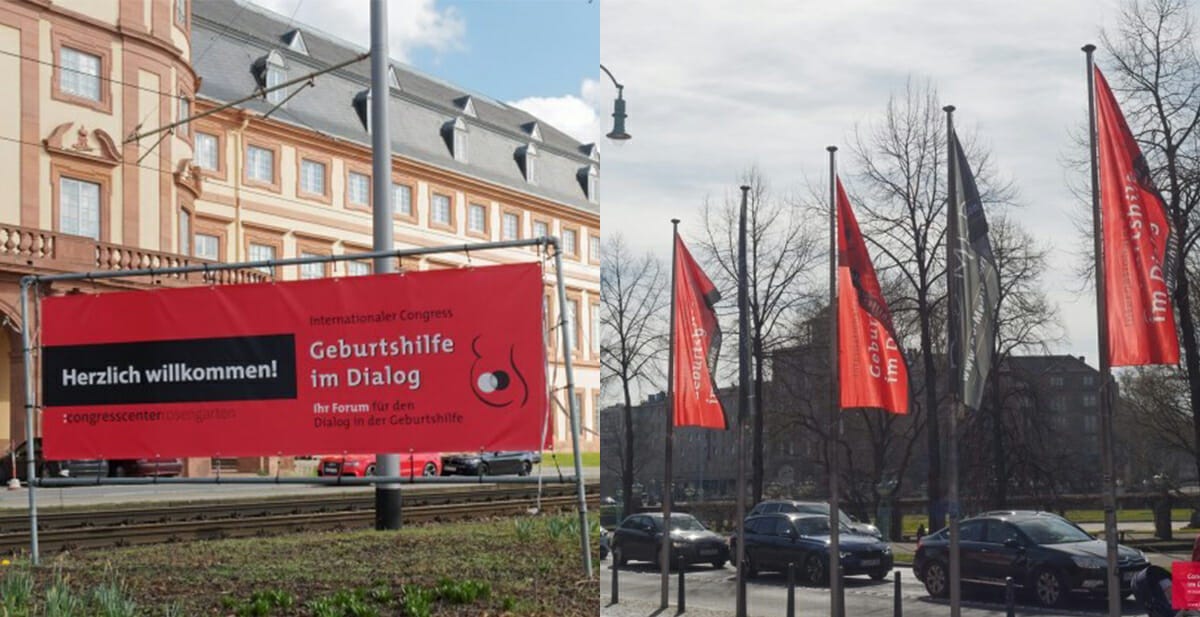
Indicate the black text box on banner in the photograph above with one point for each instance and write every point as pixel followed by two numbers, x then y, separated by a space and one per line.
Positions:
pixel 176 371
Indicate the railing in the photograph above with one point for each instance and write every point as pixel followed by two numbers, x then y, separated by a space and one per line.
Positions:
pixel 42 249
pixel 24 242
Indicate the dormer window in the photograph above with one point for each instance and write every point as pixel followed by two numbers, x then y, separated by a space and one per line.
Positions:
pixel 270 71
pixel 466 105
pixel 527 156
pixel 362 107
pixel 592 185
pixel 533 130
pixel 591 151
pixel 393 81
pixel 295 42
pixel 455 133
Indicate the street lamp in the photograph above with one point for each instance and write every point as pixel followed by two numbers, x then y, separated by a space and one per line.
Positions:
pixel 618 131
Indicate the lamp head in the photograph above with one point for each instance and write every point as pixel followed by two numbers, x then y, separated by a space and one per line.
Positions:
pixel 618 132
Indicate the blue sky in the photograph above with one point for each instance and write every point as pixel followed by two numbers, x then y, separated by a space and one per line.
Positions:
pixel 519 48
pixel 540 55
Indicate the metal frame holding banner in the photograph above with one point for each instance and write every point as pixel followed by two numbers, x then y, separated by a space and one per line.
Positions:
pixel 247 356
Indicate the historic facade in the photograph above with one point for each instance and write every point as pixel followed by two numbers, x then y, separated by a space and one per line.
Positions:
pixel 94 184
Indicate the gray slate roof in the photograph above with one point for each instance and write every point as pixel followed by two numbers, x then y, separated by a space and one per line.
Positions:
pixel 228 36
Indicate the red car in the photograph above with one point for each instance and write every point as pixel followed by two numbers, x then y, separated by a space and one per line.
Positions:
pixel 359 465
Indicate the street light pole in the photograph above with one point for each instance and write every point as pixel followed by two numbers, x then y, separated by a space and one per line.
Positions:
pixel 387 496
pixel 618 132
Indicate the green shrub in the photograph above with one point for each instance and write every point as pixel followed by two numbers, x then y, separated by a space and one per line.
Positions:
pixel 461 592
pixel 16 593
pixel 417 601
pixel 525 528
pixel 111 600
pixel 61 601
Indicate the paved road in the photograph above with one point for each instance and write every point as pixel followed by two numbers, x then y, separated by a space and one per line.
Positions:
pixel 97 495
pixel 710 590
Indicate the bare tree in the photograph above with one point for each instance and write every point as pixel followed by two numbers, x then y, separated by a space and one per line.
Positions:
pixel 781 249
pixel 901 161
pixel 1156 72
pixel 633 301
pixel 1026 321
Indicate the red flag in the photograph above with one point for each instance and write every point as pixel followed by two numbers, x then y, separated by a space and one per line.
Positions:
pixel 870 364
pixel 1139 245
pixel 697 339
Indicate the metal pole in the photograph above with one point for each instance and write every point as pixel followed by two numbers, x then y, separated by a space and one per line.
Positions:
pixel 30 434
pixel 954 239
pixel 1010 608
pixel 743 402
pixel 835 558
pixel 664 557
pixel 897 603
pixel 1113 583
pixel 791 593
pixel 585 545
pixel 681 604
pixel 387 496
pixel 616 587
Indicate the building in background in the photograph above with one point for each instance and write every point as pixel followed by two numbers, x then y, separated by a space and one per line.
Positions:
pixel 286 174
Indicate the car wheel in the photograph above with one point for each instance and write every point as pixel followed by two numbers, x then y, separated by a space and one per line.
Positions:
pixel 935 579
pixel 120 471
pixel 430 470
pixel 878 575
pixel 370 470
pixel 718 564
pixel 526 468
pixel 814 570
pixel 483 469
pixel 1049 588
pixel 619 558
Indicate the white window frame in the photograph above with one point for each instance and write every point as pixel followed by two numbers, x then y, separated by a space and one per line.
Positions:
pixel 310 182
pixel 357 268
pixel 199 239
pixel 593 247
pixel 482 212
pixel 276 74
pixel 402 198
pixel 205 146
pixel 185 232
pixel 313 270
pixel 261 252
pixel 79 73
pixel 434 204
pixel 571 246
pixel 544 226
pixel 75 215
pixel 505 218
pixel 594 315
pixel 358 189
pixel 255 157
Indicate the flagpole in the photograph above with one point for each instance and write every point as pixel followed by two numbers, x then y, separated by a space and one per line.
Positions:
pixel 664 556
pixel 835 420
pixel 954 239
pixel 743 401
pixel 1113 582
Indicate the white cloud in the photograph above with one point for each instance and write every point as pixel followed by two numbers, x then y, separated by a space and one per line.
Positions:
pixel 773 82
pixel 574 115
pixel 412 24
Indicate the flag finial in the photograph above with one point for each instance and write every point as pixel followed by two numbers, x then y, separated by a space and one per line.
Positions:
pixel 949 109
pixel 831 148
pixel 675 221
pixel 1089 48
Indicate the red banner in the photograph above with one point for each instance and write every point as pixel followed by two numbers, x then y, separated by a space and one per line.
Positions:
pixel 1139 247
pixel 871 366
pixel 451 360
pixel 697 340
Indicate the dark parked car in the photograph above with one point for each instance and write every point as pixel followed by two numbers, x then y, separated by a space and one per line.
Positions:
pixel 48 469
pixel 490 463
pixel 640 536
pixel 775 540
pixel 814 507
pixel 1045 554
pixel 139 467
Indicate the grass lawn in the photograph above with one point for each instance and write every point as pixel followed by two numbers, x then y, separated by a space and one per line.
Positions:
pixel 911 521
pixel 566 460
pixel 510 566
